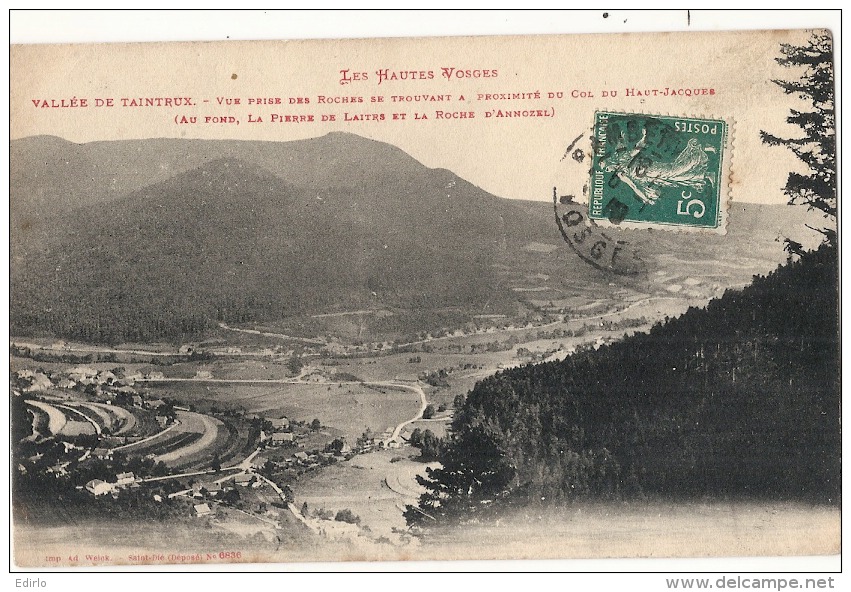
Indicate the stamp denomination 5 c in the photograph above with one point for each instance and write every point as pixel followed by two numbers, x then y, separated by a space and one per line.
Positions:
pixel 665 171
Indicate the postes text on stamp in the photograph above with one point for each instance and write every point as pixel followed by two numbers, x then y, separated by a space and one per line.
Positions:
pixel 665 171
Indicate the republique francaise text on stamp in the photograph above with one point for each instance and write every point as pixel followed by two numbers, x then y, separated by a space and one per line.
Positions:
pixel 658 170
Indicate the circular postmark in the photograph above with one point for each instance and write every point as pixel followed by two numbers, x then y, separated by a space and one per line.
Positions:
pixel 596 246
pixel 602 248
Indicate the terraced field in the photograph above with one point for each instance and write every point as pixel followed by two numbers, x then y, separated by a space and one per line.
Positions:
pixel 55 418
pixel 145 445
pixel 77 428
pixel 176 443
pixel 103 418
pixel 238 444
pixel 78 416
pixel 118 420
pixel 194 439
pixel 191 443
pixel 203 446
pixel 74 418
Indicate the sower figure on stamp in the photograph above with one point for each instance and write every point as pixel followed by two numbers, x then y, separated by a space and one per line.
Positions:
pixel 646 176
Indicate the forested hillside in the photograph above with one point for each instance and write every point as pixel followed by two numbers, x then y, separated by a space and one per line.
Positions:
pixel 337 221
pixel 738 399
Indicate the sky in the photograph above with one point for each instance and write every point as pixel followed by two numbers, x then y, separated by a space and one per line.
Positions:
pixel 514 158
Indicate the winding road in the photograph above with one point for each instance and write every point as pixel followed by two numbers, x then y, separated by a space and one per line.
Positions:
pixel 423 404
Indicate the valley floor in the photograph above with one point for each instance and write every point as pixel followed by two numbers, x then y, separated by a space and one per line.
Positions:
pixel 375 394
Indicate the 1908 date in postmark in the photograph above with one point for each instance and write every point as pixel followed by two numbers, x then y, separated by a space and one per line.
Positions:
pixel 665 171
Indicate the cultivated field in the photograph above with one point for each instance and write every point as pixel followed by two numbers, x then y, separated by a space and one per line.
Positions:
pixel 370 485
pixel 55 418
pixel 119 420
pixel 350 408
pixel 202 447
pixel 193 440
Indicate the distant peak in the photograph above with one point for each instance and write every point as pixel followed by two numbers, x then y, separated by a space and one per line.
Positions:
pixel 350 138
pixel 42 139
pixel 228 169
pixel 339 134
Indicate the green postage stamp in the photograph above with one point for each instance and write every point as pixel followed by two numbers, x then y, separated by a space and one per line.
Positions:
pixel 659 171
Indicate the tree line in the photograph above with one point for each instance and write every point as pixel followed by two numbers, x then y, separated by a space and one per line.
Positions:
pixel 740 398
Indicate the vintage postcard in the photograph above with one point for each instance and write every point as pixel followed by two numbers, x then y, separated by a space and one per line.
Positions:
pixel 519 297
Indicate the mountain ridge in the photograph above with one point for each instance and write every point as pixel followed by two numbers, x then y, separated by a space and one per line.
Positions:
pixel 256 231
pixel 230 240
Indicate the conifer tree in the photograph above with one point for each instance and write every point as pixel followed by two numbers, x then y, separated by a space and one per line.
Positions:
pixel 816 145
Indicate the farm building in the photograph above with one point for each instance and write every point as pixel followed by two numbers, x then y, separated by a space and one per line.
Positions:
pixel 59 469
pixel 83 374
pixel 210 487
pixel 102 452
pixel 106 377
pixel 99 487
pixel 281 438
pixel 202 510
pixel 280 423
pixel 243 479
pixel 125 478
pixel 337 531
pixel 40 382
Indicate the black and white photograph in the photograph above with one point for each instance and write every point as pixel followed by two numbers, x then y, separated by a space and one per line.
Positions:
pixel 496 297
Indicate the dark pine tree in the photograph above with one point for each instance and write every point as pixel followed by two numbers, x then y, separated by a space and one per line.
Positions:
pixel 816 145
